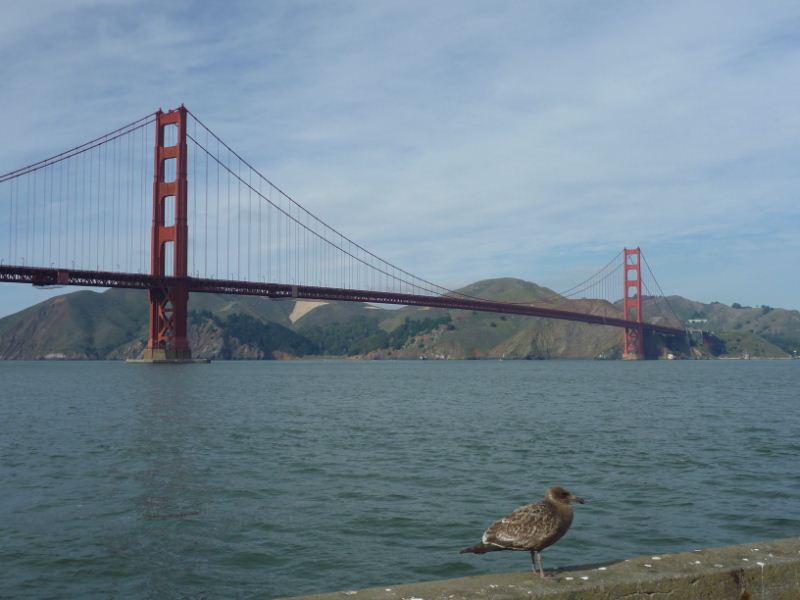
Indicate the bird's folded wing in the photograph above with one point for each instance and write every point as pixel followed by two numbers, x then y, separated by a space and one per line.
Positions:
pixel 523 528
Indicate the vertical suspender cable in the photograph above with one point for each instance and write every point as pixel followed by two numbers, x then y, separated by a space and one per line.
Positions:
pixel 249 218
pixel 114 204
pixel 216 237
pixel 228 221
pixel 238 208
pixel 205 240
pixel 11 221
pixel 193 180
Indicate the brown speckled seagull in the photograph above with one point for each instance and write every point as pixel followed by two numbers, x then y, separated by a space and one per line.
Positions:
pixel 532 527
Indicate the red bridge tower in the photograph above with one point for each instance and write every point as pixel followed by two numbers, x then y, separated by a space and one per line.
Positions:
pixel 169 243
pixel 632 304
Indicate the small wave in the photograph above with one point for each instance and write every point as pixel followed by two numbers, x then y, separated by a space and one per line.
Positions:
pixel 179 515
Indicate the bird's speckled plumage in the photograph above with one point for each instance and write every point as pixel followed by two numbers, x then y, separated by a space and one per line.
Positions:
pixel 532 527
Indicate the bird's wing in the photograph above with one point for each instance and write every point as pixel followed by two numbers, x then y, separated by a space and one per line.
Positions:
pixel 527 527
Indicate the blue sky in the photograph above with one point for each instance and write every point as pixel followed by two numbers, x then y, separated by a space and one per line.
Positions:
pixel 460 140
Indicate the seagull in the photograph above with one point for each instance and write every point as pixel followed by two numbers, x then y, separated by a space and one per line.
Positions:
pixel 532 527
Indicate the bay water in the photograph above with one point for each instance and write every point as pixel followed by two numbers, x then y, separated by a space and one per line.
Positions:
pixel 272 479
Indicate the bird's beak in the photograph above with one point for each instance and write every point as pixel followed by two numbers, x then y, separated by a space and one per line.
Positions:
pixel 578 499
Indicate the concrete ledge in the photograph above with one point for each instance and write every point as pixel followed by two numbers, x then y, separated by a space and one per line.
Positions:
pixel 747 572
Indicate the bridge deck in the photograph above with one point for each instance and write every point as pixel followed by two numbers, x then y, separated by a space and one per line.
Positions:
pixel 51 276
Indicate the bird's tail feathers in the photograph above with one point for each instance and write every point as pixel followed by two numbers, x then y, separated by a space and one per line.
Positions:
pixel 479 549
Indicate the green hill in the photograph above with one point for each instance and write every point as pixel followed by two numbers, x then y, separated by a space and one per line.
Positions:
pixel 80 325
pixel 758 331
pixel 470 334
pixel 113 325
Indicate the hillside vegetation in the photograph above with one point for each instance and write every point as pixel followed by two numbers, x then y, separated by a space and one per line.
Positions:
pixel 113 325
pixel 759 331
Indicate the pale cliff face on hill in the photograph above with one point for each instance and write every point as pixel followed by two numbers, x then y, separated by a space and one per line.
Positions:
pixel 113 325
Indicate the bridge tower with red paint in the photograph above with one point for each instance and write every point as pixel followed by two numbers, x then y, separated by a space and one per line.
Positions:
pixel 632 304
pixel 167 341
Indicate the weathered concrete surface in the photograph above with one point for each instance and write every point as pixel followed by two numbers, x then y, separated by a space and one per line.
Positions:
pixel 759 571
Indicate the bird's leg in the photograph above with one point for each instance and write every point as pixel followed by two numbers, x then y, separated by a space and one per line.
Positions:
pixel 536 559
pixel 539 561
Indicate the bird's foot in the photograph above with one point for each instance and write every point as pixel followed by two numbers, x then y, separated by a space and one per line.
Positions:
pixel 540 573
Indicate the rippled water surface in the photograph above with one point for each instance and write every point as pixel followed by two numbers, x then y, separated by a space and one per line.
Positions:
pixel 261 480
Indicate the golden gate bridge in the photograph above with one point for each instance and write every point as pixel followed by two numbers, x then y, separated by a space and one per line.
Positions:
pixel 164 204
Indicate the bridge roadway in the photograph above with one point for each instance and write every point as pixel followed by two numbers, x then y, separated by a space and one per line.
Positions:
pixel 40 276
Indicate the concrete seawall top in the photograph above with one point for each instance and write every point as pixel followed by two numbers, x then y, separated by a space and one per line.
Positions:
pixel 763 570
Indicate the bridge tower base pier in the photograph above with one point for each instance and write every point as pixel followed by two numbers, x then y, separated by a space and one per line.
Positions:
pixel 634 344
pixel 160 356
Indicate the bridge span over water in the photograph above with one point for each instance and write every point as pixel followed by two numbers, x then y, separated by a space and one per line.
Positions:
pixel 164 204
